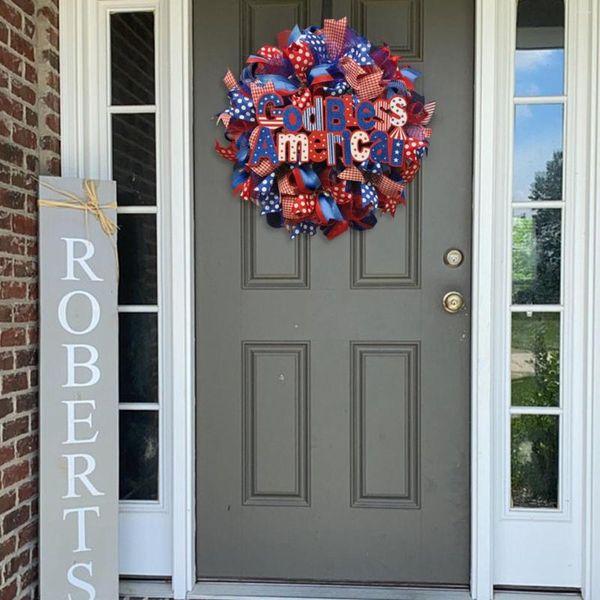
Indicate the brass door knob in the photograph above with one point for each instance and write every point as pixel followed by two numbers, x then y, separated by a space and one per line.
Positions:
pixel 453 302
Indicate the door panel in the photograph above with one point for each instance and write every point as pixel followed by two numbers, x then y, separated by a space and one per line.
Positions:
pixel 333 390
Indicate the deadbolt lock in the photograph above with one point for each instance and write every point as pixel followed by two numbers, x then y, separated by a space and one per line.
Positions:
pixel 453 258
pixel 453 302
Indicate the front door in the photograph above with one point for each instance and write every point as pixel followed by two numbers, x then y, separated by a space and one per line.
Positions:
pixel 332 387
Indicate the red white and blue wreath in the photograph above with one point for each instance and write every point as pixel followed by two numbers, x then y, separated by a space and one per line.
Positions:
pixel 324 130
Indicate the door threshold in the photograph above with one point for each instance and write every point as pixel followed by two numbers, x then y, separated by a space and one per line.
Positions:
pixel 205 590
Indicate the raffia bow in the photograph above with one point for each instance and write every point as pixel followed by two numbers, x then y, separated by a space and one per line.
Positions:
pixel 90 204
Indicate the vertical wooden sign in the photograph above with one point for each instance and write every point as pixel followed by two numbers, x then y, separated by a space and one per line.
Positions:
pixel 78 391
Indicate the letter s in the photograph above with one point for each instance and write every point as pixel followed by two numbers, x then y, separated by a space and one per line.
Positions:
pixel 80 583
pixel 398 116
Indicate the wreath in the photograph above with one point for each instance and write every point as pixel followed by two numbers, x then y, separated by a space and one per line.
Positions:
pixel 324 130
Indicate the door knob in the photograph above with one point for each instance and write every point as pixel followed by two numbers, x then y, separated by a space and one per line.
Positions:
pixel 453 302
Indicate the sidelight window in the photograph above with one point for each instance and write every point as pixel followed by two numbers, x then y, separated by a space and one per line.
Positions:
pixel 536 412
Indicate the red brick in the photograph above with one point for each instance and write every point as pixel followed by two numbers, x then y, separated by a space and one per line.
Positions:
pixel 53 166
pixel 12 289
pixel 30 74
pixel 27 445
pixel 22 46
pixel 28 578
pixel 27 491
pixel 32 163
pixel 53 81
pixel 23 313
pixel 10 14
pixel 4 129
pixel 24 91
pixel 13 337
pixel 13 108
pixel 12 244
pixel 26 6
pixel 15 473
pixel 25 358
pixel 24 268
pixel 11 61
pixel 8 546
pixel 11 153
pixel 7 362
pixel 15 428
pixel 16 563
pixel 50 142
pixel 15 519
pixel 5 313
pixel 31 117
pixel 27 402
pixel 8 501
pixel 3 33
pixel 51 58
pixel 24 137
pixel 7 453
pixel 12 199
pixel 25 225
pixel 9 591
pixel 14 382
pixel 53 122
pixel 28 534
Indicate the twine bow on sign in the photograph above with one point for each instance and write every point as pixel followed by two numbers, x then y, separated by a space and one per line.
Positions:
pixel 90 204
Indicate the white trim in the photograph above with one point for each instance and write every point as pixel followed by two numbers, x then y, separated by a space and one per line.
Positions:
pixel 481 298
pixel 182 232
pixel 591 582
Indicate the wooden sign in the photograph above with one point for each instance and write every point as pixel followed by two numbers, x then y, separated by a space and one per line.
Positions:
pixel 78 390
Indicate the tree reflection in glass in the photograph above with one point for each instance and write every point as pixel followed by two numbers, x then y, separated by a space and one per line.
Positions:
pixel 537 242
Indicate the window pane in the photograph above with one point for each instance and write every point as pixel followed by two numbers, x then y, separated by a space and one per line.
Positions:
pixel 138 464
pixel 132 57
pixel 138 357
pixel 536 256
pixel 538 152
pixel 539 60
pixel 534 366
pixel 137 259
pixel 134 159
pixel 534 461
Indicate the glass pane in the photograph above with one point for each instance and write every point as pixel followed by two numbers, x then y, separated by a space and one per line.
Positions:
pixel 137 259
pixel 534 362
pixel 132 57
pixel 540 56
pixel 138 357
pixel 138 463
pixel 534 461
pixel 536 256
pixel 538 152
pixel 134 159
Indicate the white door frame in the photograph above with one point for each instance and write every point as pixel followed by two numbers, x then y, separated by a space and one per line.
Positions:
pixel 80 158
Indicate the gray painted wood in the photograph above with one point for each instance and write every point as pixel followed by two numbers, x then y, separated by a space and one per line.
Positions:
pixel 333 390
pixel 79 442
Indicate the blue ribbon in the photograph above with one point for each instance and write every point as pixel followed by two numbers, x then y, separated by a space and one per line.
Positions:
pixel 329 208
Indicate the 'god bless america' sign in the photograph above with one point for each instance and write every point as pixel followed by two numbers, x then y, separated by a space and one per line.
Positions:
pixel 330 128
pixel 78 390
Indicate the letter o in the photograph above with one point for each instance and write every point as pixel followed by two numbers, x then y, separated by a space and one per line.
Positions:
pixel 62 312
pixel 292 118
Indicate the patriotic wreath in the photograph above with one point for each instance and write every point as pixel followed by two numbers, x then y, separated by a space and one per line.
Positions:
pixel 324 130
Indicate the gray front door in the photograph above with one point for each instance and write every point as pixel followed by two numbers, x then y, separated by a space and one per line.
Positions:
pixel 332 388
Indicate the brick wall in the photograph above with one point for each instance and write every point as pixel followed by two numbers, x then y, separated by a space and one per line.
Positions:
pixel 29 145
